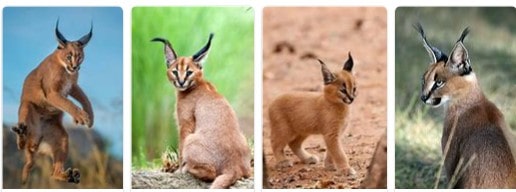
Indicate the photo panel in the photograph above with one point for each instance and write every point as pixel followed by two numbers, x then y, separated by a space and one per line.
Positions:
pixel 325 97
pixel 454 90
pixel 193 97
pixel 62 130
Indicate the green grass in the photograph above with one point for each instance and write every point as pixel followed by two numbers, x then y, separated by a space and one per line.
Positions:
pixel 229 67
pixel 492 50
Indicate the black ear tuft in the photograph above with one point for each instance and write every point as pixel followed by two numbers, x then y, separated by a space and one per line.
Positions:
pixel 328 76
pixel 348 65
pixel 465 32
pixel 170 54
pixel 435 54
pixel 86 38
pixel 60 38
pixel 201 56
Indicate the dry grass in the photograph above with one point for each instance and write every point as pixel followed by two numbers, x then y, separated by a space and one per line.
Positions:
pixel 87 153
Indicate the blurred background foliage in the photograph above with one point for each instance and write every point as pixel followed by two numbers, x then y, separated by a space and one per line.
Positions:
pixel 229 67
pixel 492 50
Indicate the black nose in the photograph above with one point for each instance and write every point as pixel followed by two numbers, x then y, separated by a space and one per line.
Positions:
pixel 351 99
pixel 424 97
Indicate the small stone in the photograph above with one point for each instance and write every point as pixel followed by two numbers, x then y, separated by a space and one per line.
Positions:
pixel 304 170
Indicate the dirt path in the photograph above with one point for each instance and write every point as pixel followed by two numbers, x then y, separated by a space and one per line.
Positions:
pixel 293 38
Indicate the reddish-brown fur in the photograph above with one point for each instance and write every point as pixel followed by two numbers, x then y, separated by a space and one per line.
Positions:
pixel 473 126
pixel 211 144
pixel 295 116
pixel 43 101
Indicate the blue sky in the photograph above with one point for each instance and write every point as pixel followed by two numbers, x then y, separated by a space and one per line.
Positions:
pixel 29 37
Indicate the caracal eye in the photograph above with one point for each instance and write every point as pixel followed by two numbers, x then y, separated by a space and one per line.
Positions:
pixel 175 73
pixel 439 83
pixel 69 57
pixel 188 73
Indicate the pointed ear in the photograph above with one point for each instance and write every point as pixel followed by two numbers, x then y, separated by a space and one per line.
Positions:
pixel 434 53
pixel 328 76
pixel 201 56
pixel 170 54
pixel 60 38
pixel 86 38
pixel 348 66
pixel 459 57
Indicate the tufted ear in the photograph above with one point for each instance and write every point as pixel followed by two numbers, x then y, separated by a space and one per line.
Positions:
pixel 348 65
pixel 60 38
pixel 328 76
pixel 435 54
pixel 170 54
pixel 459 60
pixel 201 56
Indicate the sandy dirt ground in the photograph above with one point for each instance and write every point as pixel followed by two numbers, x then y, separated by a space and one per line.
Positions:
pixel 293 38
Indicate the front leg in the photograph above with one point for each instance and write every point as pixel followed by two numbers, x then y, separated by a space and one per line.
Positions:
pixel 62 103
pixel 186 127
pixel 336 153
pixel 77 93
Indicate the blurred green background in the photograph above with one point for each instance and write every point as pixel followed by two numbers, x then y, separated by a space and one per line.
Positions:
pixel 229 67
pixel 492 50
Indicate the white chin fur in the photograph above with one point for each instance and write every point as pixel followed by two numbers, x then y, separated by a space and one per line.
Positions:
pixel 70 72
pixel 180 88
pixel 444 100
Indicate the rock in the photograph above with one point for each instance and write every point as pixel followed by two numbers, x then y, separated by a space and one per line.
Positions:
pixel 154 179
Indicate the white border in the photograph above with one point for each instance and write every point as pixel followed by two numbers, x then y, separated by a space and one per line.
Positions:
pixel 258 6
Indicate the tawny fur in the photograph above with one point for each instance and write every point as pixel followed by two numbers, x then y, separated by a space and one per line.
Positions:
pixel 473 125
pixel 295 116
pixel 44 99
pixel 211 144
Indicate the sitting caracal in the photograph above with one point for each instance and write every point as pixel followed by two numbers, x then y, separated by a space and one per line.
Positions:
pixel 295 116
pixel 211 145
pixel 474 129
pixel 43 100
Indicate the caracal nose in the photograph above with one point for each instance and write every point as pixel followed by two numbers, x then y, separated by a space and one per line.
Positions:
pixel 424 97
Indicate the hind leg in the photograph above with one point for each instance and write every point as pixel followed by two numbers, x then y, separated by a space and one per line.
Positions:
pixel 59 145
pixel 201 171
pixel 224 181
pixel 21 136
pixel 28 118
pixel 195 161
pixel 296 146
pixel 69 175
pixel 29 162
pixel 328 162
pixel 279 139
